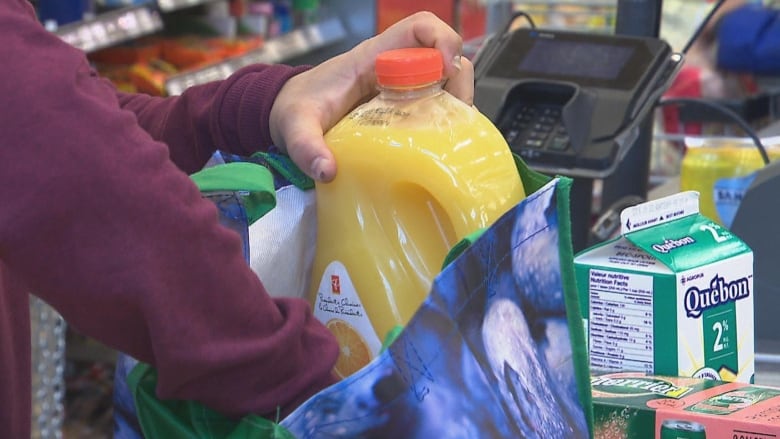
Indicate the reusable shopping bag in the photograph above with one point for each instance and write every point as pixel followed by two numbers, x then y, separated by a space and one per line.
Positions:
pixel 188 419
pixel 244 190
pixel 496 350
pixel 276 237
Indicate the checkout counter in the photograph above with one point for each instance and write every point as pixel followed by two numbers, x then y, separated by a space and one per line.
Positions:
pixel 567 114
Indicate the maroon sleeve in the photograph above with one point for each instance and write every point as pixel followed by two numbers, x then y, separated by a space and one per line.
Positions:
pixel 100 223
pixel 230 115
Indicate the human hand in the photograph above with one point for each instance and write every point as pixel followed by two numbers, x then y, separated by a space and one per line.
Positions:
pixel 310 103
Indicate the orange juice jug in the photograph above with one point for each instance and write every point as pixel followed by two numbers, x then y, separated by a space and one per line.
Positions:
pixel 418 170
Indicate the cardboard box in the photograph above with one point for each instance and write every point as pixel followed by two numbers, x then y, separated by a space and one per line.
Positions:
pixel 673 295
pixel 638 406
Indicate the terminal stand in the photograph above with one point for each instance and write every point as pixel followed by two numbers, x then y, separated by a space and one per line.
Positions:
pixel 631 178
pixel 581 105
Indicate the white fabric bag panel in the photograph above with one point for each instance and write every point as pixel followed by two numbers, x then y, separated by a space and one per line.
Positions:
pixel 282 243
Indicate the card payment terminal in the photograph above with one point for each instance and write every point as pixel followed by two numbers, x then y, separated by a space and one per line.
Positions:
pixel 570 103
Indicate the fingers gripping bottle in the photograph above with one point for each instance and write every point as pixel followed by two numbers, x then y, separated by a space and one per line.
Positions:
pixel 418 170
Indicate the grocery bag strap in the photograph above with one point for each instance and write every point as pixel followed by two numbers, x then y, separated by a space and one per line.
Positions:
pixel 284 165
pixel 187 419
pixel 461 246
pixel 284 170
pixel 252 179
pixel 390 337
pixel 532 180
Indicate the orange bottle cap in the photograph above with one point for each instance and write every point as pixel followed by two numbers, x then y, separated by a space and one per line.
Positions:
pixel 411 66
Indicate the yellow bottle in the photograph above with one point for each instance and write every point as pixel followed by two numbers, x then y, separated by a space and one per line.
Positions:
pixel 418 170
pixel 706 165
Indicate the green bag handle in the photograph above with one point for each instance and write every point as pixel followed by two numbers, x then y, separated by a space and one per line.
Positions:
pixel 461 246
pixel 253 179
pixel 532 180
pixel 284 165
pixel 188 419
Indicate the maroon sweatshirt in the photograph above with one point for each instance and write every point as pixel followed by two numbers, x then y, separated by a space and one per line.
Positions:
pixel 99 218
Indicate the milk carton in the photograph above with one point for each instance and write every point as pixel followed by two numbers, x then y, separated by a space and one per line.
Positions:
pixel 673 295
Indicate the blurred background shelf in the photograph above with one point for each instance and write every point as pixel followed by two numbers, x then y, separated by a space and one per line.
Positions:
pixel 299 42
pixel 174 5
pixel 111 28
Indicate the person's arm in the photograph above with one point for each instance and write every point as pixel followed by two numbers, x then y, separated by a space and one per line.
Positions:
pixel 99 223
pixel 229 115
pixel 307 102
pixel 748 39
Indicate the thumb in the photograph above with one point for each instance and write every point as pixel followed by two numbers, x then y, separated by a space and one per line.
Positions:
pixel 306 147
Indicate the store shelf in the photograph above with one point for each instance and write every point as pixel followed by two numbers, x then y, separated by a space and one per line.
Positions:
pixel 118 26
pixel 586 3
pixel 174 5
pixel 111 28
pixel 296 43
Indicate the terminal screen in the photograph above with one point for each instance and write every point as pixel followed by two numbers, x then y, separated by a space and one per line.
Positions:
pixel 575 58
pixel 588 60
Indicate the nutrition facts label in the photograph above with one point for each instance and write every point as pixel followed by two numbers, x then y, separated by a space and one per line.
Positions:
pixel 621 321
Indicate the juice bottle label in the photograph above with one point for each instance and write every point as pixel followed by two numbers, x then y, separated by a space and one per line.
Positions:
pixel 338 305
pixel 727 194
pixel 721 171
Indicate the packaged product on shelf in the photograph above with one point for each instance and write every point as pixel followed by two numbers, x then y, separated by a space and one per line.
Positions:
pixel 191 52
pixel 149 77
pixel 643 406
pixel 672 295
pixel 119 75
pixel 141 50
pixel 120 3
pixel 258 18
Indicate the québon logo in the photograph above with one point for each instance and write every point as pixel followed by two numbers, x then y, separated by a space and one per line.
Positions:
pixel 720 292
pixel 671 244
